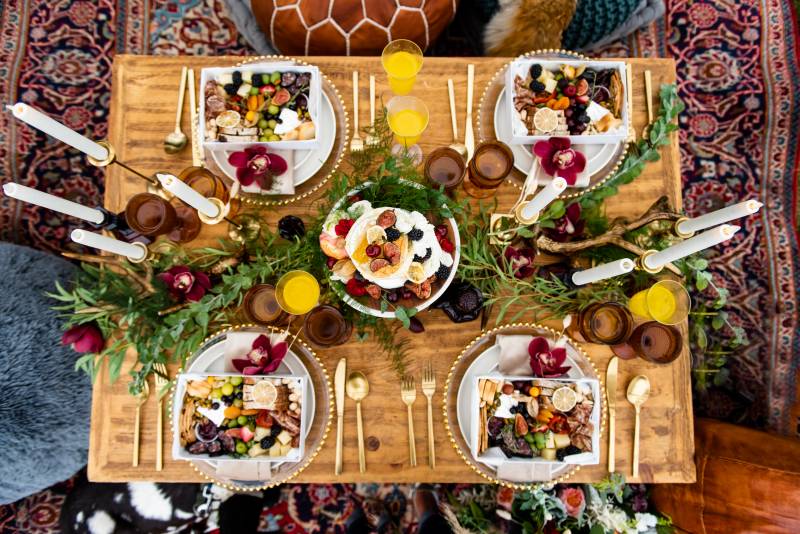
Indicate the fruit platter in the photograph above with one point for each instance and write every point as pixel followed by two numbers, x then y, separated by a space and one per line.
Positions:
pixel 383 256
pixel 239 417
pixel 536 419
pixel 585 101
pixel 274 103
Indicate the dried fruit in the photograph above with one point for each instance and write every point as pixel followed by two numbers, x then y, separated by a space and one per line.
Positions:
pixel 373 251
pixel 376 234
pixel 281 97
pixel 392 253
pixel 374 291
pixel 378 264
pixel 508 388
pixel 416 273
pixel 415 325
pixel 386 219
pixel 344 268
pixel 520 425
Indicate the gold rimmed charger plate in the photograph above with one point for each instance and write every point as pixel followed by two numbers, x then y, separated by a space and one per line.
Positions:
pixel 486 131
pixel 333 159
pixel 461 366
pixel 317 430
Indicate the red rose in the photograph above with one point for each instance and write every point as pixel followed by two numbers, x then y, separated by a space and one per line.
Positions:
pixel 84 338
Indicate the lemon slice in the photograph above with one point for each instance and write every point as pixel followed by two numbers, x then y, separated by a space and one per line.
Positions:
pixel 228 119
pixel 545 120
pixel 416 272
pixel 375 234
pixel 264 393
pixel 564 399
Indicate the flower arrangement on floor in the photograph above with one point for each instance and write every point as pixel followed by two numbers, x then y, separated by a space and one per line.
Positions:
pixel 608 506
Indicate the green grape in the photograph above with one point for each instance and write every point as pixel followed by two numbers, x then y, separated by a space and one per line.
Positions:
pixel 242 420
pixel 241 448
pixel 272 123
pixel 238 403
pixel 236 380
pixel 254 91
pixel 216 393
pixel 273 109
pixel 275 77
pixel 227 388
pixel 274 137
pixel 267 132
pixel 232 423
pixel 263 124
pixel 263 139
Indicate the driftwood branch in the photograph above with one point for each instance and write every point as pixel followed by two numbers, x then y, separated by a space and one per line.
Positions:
pixel 615 234
pixel 144 282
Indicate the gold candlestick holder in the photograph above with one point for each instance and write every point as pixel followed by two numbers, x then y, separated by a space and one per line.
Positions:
pixel 642 265
pixel 683 235
pixel 112 158
pixel 521 219
pixel 149 255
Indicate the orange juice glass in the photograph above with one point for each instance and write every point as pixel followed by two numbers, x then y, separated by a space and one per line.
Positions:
pixel 402 60
pixel 297 292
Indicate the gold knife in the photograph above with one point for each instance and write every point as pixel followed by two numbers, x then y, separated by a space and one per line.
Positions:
pixel 197 159
pixel 611 394
pixel 469 136
pixel 338 383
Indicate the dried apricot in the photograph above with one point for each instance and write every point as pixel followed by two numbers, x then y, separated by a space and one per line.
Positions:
pixel 232 412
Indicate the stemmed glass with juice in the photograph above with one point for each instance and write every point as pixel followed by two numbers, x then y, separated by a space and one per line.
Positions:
pixel 402 60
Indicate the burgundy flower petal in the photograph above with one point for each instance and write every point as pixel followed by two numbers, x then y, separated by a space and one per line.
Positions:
pixel 263 361
pixel 543 149
pixel 167 278
pixel 255 151
pixel 240 363
pixel 202 280
pixel 251 371
pixel 538 345
pixel 262 343
pixel 279 351
pixel 510 253
pixel 548 166
pixel 272 366
pixel 579 162
pixel 73 334
pixel 179 269
pixel 559 355
pixel 245 175
pixel 573 212
pixel 560 143
pixel 569 174
pixel 238 159
pixel 277 165
pixel 195 293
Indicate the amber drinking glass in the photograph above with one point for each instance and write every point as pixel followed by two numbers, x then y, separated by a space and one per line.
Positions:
pixel 260 305
pixel 325 326
pixel 444 166
pixel 607 323
pixel 205 182
pixel 656 342
pixel 150 214
pixel 487 169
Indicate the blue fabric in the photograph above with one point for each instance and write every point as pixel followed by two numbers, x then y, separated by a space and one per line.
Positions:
pixel 594 20
pixel 45 404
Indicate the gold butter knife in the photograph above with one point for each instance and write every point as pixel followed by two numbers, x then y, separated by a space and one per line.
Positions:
pixel 197 159
pixel 469 136
pixel 611 394
pixel 338 384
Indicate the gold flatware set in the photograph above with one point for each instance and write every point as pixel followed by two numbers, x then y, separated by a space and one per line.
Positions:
pixel 162 381
pixel 637 394
pixel 356 386
pixel 408 394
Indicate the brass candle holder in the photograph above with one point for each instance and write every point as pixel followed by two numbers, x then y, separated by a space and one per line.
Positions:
pixel 642 265
pixel 148 254
pixel 683 235
pixel 112 158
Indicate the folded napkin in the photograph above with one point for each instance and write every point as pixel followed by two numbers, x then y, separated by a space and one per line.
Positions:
pixel 238 344
pixel 526 471
pixel 244 469
pixel 281 185
pixel 514 359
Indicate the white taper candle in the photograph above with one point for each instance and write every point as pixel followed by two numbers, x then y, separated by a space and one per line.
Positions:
pixel 601 272
pixel 109 244
pixel 708 239
pixel 549 193
pixel 729 213
pixel 178 188
pixel 53 128
pixel 52 202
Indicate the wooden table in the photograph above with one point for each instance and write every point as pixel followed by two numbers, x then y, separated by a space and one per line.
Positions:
pixel 142 112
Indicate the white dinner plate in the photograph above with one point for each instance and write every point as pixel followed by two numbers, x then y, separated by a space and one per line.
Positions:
pixel 306 162
pixel 212 360
pixel 597 156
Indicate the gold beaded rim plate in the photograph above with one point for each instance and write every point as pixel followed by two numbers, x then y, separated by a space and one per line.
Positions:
pixel 333 161
pixel 326 415
pixel 609 170
pixel 468 355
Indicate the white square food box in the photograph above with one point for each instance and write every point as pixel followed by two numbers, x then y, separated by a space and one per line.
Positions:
pixel 521 67
pixel 314 92
pixel 180 453
pixel 494 456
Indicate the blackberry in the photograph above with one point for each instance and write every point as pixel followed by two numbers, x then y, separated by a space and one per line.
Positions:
pixel 237 77
pixel 230 88
pixel 536 70
pixel 392 234
pixel 569 450
pixel 537 87
pixel 275 429
pixel 257 80
pixel 420 259
pixel 562 83
pixel 267 442
pixel 415 234
pixel 358 276
pixel 584 118
pixel 443 272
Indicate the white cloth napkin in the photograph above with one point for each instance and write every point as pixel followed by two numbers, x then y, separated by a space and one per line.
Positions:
pixel 525 471
pixel 281 185
pixel 238 344
pixel 514 359
pixel 244 469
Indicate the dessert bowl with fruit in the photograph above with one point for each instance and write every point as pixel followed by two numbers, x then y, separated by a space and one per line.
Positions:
pixel 382 257
pixel 586 101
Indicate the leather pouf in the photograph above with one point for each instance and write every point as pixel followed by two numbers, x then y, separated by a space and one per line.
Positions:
pixel 350 27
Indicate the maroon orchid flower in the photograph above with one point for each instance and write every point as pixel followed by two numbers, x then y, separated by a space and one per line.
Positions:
pixel 85 337
pixel 569 226
pixel 559 159
pixel 521 261
pixel 547 362
pixel 253 164
pixel 182 283
pixel 263 358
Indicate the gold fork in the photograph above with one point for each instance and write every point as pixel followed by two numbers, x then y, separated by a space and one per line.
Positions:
pixel 141 398
pixel 409 395
pixel 428 388
pixel 356 144
pixel 162 379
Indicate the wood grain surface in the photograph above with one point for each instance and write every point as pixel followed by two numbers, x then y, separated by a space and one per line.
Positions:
pixel 142 111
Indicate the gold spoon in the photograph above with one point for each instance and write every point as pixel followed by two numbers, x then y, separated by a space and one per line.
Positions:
pixel 638 393
pixel 461 148
pixel 357 389
pixel 176 140
pixel 141 398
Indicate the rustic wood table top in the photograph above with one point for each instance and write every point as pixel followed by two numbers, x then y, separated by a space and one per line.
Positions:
pixel 142 112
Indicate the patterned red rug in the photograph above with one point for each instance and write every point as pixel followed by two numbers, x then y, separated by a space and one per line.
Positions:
pixel 737 64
